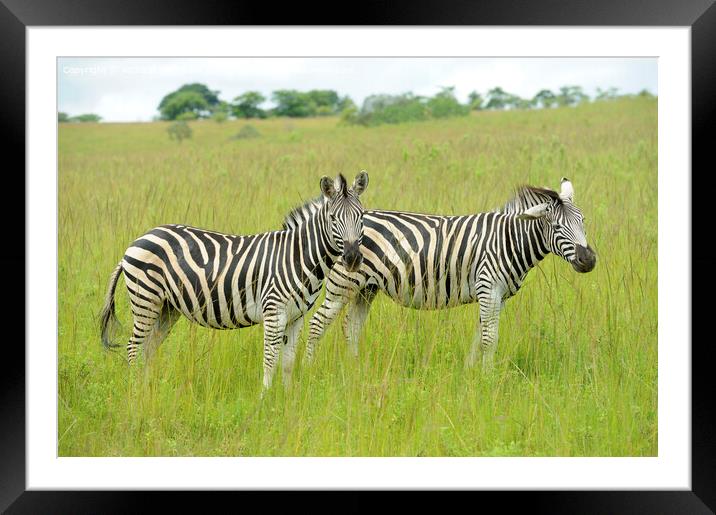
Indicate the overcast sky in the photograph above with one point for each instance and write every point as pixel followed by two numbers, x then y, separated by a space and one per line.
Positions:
pixel 130 89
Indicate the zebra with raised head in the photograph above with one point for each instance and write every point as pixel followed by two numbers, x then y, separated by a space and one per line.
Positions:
pixel 225 281
pixel 433 262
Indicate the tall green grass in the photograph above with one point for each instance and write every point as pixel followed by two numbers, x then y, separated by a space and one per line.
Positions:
pixel 576 365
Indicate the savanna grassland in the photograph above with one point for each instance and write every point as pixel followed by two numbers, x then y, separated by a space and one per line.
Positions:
pixel 576 365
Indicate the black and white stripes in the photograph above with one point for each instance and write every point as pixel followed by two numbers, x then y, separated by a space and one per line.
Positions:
pixel 225 281
pixel 433 262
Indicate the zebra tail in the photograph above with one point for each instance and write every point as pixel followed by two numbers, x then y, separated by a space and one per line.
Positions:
pixel 108 315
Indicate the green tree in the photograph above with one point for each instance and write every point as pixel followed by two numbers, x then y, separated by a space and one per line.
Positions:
pixel 170 105
pixel 379 109
pixel 317 102
pixel 290 102
pixel 247 105
pixel 185 102
pixel 445 105
pixel 344 103
pixel 580 95
pixel 349 115
pixel 63 117
pixel 497 98
pixel 571 95
pixel 645 93
pixel 520 103
pixel 210 97
pixel 510 101
pixel 375 103
pixel 606 94
pixel 327 101
pixel 83 118
pixel 475 100
pixel 544 98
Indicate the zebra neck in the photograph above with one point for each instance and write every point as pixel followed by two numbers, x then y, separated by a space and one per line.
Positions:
pixel 529 242
pixel 318 253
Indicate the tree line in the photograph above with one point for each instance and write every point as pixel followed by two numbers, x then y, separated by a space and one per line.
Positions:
pixel 197 101
pixel 82 118
pixel 497 98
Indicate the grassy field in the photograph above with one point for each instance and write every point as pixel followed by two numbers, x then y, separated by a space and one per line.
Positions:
pixel 576 365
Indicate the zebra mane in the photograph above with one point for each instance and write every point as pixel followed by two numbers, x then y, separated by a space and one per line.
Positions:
pixel 527 197
pixel 302 213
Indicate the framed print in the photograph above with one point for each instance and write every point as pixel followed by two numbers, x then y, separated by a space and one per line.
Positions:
pixel 592 395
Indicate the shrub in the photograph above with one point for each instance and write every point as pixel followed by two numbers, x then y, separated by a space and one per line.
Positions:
pixel 219 116
pixel 179 131
pixel 246 132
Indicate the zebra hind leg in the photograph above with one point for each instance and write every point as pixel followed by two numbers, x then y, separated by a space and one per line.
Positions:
pixel 167 318
pixel 288 356
pixel 356 315
pixel 145 318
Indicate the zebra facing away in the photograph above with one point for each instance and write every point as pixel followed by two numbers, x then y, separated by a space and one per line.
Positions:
pixel 433 262
pixel 225 281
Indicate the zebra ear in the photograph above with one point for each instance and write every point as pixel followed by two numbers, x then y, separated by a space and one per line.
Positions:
pixel 534 213
pixel 340 184
pixel 567 192
pixel 327 187
pixel 360 183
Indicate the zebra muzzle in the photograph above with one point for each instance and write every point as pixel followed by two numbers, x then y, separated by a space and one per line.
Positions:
pixel 352 257
pixel 585 259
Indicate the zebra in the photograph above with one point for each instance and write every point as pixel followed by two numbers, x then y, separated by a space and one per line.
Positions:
pixel 428 261
pixel 225 281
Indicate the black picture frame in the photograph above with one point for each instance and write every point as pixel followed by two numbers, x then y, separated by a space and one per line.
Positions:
pixel 16 15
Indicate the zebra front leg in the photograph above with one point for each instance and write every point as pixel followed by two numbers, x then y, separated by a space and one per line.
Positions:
pixel 490 307
pixel 321 319
pixel 472 355
pixel 288 356
pixel 274 330
pixel 356 315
